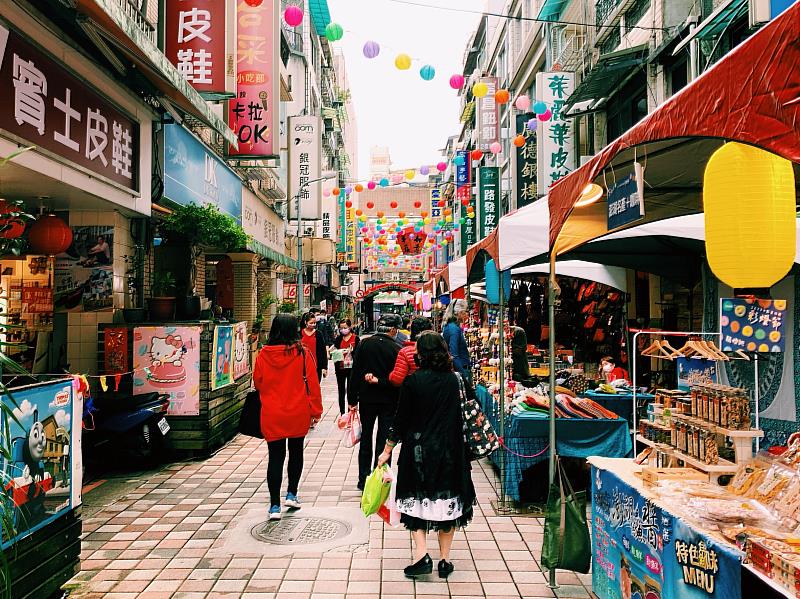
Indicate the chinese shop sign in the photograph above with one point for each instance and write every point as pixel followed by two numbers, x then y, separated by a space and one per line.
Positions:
pixel 200 39
pixel 253 113
pixel 753 324
pixel 526 162
pixel 350 237
pixel 436 208
pixel 465 201
pixel 55 111
pixel 262 223
pixel 305 135
pixel 489 192
pixel 556 139
pixel 625 203
pixel 642 551
pixel 341 244
pixel 37 300
pixel 488 124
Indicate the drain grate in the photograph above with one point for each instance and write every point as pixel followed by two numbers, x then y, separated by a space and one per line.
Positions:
pixel 300 531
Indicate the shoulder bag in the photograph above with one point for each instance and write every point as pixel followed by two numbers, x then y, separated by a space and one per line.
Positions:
pixel 479 435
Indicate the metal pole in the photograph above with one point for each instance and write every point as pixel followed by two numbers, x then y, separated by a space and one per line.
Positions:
pixel 502 379
pixel 551 348
pixel 299 254
pixel 757 398
pixel 633 376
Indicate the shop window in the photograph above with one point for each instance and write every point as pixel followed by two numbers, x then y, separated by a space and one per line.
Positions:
pixel 611 43
pixel 678 76
pixel 628 106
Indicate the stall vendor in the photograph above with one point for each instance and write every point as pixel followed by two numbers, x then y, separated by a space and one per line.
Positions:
pixel 610 372
pixel 520 371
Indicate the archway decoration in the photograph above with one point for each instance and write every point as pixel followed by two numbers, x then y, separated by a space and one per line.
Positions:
pixel 384 287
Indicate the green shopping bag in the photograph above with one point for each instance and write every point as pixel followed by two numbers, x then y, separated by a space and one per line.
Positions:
pixel 567 545
pixel 376 492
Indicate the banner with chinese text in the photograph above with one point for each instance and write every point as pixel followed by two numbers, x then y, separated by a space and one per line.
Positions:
pixel 489 193
pixel 351 236
pixel 466 201
pixel 555 139
pixel 753 325
pixel 641 551
pixel 526 162
pixel 488 127
pixel 305 146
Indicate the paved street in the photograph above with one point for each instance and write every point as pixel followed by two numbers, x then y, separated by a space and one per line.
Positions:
pixel 191 531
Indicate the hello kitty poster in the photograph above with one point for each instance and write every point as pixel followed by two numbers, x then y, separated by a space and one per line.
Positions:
pixel 167 360
pixel 241 350
pixel 222 357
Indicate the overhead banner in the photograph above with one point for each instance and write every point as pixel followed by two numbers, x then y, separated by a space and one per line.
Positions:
pixel 489 194
pixel 305 146
pixel 753 325
pixel 200 42
pixel 465 200
pixel 262 223
pixel 525 171
pixel 556 139
pixel 253 113
pixel 341 219
pixel 488 122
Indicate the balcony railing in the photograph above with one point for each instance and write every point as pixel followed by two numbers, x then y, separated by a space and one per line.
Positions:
pixel 603 9
pixel 136 12
pixel 293 37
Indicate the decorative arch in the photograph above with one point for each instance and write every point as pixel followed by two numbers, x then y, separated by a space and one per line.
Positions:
pixel 384 287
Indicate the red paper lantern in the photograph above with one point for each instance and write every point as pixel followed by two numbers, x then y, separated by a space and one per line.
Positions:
pixel 348 204
pixel 417 204
pixel 370 205
pixel 49 235
pixel 17 227
pixel 393 204
pixel 476 155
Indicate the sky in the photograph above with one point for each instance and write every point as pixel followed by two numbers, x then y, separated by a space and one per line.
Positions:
pixel 397 108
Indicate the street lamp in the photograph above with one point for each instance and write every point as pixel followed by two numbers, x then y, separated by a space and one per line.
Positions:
pixel 325 176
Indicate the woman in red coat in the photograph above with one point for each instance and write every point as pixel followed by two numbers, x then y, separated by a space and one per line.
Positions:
pixel 285 376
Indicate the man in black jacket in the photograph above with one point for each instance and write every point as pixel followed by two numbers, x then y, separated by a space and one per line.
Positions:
pixel 375 355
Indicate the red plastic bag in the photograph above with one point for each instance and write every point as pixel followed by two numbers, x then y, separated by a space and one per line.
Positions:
pixel 388 511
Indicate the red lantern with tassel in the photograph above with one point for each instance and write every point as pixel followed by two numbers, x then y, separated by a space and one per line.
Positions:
pixel 49 235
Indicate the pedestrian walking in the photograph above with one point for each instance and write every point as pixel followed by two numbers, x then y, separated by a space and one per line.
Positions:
pixel 377 404
pixel 457 344
pixel 434 485
pixel 291 402
pixel 405 364
pixel 314 342
pixel 347 341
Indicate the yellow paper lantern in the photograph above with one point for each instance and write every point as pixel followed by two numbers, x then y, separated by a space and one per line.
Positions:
pixel 403 62
pixel 410 174
pixel 749 203
pixel 480 89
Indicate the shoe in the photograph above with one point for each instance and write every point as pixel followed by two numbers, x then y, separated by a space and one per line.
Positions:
pixel 422 567
pixel 445 569
pixel 275 512
pixel 360 486
pixel 292 501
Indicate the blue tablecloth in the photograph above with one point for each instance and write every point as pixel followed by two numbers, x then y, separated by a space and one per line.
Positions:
pixel 621 403
pixel 526 438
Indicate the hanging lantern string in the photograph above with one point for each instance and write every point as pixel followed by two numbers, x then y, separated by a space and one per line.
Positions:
pixel 69 374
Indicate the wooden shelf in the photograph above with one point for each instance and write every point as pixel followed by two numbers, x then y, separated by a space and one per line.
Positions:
pixel 715 428
pixel 724 466
pixel 768 581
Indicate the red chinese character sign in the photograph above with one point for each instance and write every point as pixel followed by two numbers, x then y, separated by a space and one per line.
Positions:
pixel 200 36
pixel 253 113
pixel 45 105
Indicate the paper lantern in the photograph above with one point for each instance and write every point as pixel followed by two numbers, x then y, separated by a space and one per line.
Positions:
pixel 417 204
pixel 393 205
pixel 380 214
pixel 293 15
pixel 496 148
pixel 522 103
pixel 424 170
pixel 539 107
pixel 348 204
pixel 410 174
pixel 427 72
pixel 749 203
pixel 336 191
pixel 456 81
pixel 531 125
pixel 49 235
pixel 441 167
pixel 371 49
pixel 359 188
pixel 403 62
pixel 16 227
pixel 348 190
pixel 384 182
pixel 480 89
pixel 423 214
pixel 519 141
pixel 358 212
pixel 370 205
pixel 476 155
pixel 459 160
pixel 545 116
pixel 501 96
pixel 334 32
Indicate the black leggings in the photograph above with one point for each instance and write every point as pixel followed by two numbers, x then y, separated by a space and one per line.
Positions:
pixel 277 455
pixel 343 380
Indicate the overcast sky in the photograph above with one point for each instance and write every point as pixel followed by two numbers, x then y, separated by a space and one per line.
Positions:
pixel 397 108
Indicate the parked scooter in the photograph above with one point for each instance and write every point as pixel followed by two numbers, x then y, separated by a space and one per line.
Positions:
pixel 122 426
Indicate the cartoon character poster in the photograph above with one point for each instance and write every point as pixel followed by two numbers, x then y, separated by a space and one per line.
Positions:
pixel 167 360
pixel 222 357
pixel 241 350
pixel 38 474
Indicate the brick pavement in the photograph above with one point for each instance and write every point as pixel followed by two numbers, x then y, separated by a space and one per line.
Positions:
pixel 162 540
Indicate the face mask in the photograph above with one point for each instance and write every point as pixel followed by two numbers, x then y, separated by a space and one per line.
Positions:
pixel 608 367
pixel 344 331
pixel 311 324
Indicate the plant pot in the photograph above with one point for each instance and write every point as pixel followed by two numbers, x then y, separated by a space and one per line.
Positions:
pixel 134 315
pixel 189 307
pixel 161 308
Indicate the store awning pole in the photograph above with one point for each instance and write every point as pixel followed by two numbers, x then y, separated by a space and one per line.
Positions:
pixel 552 293
pixel 501 326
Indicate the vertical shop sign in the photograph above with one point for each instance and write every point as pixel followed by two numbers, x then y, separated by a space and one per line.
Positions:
pixel 465 200
pixel 525 156
pixel 305 143
pixel 556 141
pixel 201 35
pixel 488 123
pixel 253 113
pixel 436 209
pixel 59 113
pixel 341 218
pixel 350 236
pixel 489 192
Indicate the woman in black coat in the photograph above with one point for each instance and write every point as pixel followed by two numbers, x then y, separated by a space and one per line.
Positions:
pixel 434 485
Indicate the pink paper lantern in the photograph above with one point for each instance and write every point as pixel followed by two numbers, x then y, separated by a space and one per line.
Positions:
pixel 457 81
pixel 441 167
pixel 545 116
pixel 496 148
pixel 523 103
pixel 371 185
pixel 293 15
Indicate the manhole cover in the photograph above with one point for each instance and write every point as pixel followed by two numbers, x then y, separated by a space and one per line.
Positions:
pixel 300 531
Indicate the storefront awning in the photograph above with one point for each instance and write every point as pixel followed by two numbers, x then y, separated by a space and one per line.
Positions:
pixel 320 15
pixel 552 9
pixel 609 74
pixel 262 250
pixel 726 103
pixel 717 22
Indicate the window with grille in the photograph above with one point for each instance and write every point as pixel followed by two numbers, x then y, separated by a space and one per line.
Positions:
pixel 635 13
pixel 611 43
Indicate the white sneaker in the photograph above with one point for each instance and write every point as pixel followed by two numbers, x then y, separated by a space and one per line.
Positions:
pixel 292 501
pixel 275 512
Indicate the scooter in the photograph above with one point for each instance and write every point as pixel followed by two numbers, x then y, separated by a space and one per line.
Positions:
pixel 119 426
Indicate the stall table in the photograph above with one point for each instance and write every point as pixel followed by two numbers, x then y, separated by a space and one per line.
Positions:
pixel 620 403
pixel 526 437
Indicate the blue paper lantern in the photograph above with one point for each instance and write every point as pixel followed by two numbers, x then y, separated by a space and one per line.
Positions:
pixel 539 107
pixel 427 72
pixel 459 160
pixel 384 182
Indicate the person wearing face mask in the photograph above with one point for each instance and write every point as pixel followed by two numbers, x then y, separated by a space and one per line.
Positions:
pixel 347 341
pixel 610 372
pixel 406 363
pixel 314 343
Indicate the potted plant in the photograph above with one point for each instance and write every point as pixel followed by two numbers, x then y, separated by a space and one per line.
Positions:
pixel 287 307
pixel 263 309
pixel 198 228
pixel 160 303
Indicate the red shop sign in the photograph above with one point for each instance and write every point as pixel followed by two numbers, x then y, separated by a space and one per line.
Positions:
pixel 52 109
pixel 197 36
pixel 37 300
pixel 253 113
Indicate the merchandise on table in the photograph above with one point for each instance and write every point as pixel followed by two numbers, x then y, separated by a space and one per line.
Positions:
pixel 537 401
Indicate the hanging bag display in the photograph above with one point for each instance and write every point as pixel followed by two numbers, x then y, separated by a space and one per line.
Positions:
pixel 479 434
pixel 566 545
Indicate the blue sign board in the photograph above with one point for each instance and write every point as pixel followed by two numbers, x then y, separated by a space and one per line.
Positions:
pixel 462 170
pixel 695 371
pixel 624 204
pixel 193 174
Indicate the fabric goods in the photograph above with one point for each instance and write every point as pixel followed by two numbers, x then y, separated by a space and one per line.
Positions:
pixel 376 492
pixel 566 545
